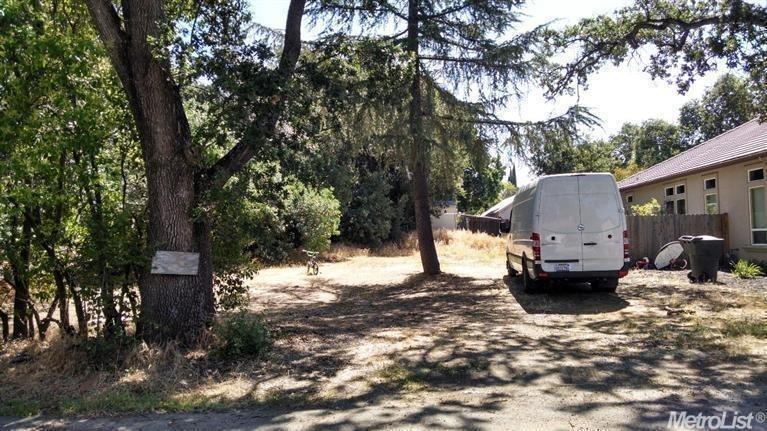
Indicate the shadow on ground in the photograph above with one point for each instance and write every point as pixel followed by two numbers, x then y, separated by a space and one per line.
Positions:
pixel 461 352
pixel 565 298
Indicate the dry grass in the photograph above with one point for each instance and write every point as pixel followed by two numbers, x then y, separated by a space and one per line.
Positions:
pixel 454 243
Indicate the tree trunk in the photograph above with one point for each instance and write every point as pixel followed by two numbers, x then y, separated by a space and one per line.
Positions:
pixel 112 320
pixel 82 318
pixel 172 306
pixel 418 154
pixel 4 322
pixel 20 270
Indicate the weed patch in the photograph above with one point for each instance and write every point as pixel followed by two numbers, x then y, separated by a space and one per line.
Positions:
pixel 746 327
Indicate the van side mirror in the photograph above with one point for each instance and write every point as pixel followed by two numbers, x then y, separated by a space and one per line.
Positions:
pixel 506 226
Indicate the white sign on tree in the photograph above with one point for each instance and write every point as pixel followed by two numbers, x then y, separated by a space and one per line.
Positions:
pixel 175 263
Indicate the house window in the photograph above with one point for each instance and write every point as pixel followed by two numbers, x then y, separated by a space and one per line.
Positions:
pixel 669 191
pixel 709 184
pixel 680 189
pixel 629 199
pixel 756 174
pixel 669 207
pixel 712 206
pixel 758 215
pixel 681 208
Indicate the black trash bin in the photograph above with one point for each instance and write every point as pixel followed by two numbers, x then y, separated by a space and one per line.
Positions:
pixel 704 252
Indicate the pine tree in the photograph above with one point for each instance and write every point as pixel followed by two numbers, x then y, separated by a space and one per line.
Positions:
pixel 456 48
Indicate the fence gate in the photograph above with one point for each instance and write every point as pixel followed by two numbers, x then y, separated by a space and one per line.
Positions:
pixel 488 225
pixel 647 234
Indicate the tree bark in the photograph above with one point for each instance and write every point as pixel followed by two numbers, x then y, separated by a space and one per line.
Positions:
pixel 4 322
pixel 20 271
pixel 418 154
pixel 173 306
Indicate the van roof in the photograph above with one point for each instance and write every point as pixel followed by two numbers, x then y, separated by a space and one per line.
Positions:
pixel 601 174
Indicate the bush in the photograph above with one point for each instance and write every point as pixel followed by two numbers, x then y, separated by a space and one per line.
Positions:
pixel 368 218
pixel 107 354
pixel 746 269
pixel 240 334
pixel 650 208
pixel 314 216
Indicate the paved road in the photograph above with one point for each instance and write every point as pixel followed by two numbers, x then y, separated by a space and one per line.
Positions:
pixel 523 413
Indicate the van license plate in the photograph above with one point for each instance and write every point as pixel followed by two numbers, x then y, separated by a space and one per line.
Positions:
pixel 563 267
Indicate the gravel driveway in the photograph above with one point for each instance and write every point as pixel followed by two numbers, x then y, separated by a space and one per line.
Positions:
pixel 371 344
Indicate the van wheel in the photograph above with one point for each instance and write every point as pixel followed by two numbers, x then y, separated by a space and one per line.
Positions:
pixel 528 284
pixel 606 285
pixel 510 269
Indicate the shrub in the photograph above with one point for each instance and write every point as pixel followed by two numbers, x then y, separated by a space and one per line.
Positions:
pixel 107 354
pixel 368 218
pixel 240 334
pixel 314 216
pixel 650 208
pixel 746 269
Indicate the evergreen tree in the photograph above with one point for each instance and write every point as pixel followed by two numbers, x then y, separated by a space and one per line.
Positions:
pixel 455 47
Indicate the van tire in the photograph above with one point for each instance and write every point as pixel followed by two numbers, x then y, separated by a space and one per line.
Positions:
pixel 605 285
pixel 528 284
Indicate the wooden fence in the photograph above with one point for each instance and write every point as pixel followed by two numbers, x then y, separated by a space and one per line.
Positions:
pixel 647 234
pixel 474 223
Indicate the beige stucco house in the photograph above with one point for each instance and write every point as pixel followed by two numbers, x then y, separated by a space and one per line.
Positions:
pixel 725 174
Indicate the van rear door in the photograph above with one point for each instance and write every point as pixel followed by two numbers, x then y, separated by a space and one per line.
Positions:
pixel 601 218
pixel 559 217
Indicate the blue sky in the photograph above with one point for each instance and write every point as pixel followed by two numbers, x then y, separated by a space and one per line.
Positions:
pixel 617 94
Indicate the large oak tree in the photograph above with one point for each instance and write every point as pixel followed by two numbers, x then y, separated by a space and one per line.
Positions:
pixel 135 34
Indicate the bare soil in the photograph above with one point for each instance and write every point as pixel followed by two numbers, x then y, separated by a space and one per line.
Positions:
pixel 371 343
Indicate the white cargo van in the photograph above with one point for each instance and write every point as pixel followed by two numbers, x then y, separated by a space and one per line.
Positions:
pixel 568 227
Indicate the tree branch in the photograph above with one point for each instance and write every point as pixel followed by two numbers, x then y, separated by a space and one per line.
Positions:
pixel 108 25
pixel 242 152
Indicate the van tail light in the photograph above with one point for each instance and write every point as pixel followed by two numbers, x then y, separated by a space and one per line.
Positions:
pixel 536 247
pixel 626 244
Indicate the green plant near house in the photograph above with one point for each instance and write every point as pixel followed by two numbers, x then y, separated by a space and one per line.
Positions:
pixel 649 208
pixel 746 269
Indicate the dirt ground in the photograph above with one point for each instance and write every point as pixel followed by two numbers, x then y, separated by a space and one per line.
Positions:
pixel 370 343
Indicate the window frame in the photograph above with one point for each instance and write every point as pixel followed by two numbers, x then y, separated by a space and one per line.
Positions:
pixel 748 174
pixel 684 189
pixel 676 206
pixel 667 193
pixel 751 218
pixel 630 198
pixel 666 205
pixel 716 183
pixel 705 202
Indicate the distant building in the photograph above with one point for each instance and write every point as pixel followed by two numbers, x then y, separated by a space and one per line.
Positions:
pixel 448 217
pixel 725 174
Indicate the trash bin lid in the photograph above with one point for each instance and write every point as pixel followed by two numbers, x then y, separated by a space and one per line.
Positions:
pixel 668 252
pixel 696 238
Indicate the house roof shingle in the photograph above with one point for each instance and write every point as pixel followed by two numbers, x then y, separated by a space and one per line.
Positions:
pixel 743 142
